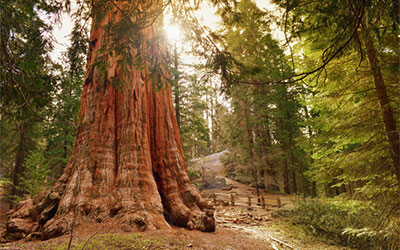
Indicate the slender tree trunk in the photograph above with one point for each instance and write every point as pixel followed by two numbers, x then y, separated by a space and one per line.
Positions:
pixel 286 187
pixel 290 147
pixel 384 102
pixel 19 161
pixel 285 174
pixel 213 99
pixel 310 133
pixel 294 182
pixel 127 162
pixel 256 178
pixel 314 189
pixel 263 179
pixel 250 144
pixel 267 148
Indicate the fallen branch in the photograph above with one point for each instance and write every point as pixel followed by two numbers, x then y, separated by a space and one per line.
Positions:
pixel 281 242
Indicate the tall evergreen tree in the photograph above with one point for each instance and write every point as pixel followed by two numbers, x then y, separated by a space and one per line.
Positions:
pixel 27 82
pixel 60 132
pixel 354 141
pixel 268 116
pixel 367 28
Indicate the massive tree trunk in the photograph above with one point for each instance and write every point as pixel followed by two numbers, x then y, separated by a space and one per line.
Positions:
pixel 127 164
pixel 177 94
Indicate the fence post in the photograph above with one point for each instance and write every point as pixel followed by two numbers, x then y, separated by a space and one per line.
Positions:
pixel 214 199
pixel 278 202
pixel 232 199
pixel 262 201
pixel 249 200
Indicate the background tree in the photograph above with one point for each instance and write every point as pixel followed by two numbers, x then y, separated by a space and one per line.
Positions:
pixel 195 132
pixel 190 103
pixel 27 81
pixel 352 102
pixel 356 27
pixel 267 117
pixel 60 131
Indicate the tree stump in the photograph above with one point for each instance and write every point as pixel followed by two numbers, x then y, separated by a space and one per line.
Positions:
pixel 262 202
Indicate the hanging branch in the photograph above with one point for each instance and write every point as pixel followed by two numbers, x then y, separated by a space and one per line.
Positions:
pixel 326 61
pixel 286 15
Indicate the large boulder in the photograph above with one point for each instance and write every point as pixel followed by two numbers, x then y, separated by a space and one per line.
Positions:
pixel 215 183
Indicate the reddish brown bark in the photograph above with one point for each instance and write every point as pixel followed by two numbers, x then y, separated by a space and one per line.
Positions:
pixel 389 120
pixel 177 93
pixel 127 163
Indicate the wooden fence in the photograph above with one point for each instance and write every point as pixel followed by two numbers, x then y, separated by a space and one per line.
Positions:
pixel 248 201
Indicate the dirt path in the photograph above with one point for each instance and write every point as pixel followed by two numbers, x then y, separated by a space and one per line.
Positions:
pixel 257 223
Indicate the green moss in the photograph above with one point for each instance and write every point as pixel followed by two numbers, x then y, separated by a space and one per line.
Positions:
pixel 113 241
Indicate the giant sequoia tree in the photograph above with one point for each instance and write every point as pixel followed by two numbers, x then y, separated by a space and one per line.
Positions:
pixel 127 163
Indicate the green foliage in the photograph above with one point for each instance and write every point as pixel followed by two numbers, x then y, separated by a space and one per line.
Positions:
pixel 235 169
pixel 263 128
pixel 348 134
pixel 348 145
pixel 36 175
pixel 194 173
pixel 113 241
pixel 349 222
pixel 38 104
pixel 60 132
pixel 27 78
pixel 119 41
pixel 194 130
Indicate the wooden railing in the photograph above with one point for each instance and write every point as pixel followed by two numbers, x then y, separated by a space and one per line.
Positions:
pixel 248 201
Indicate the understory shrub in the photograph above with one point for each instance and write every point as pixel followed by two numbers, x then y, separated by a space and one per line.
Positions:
pixel 348 222
pixel 193 173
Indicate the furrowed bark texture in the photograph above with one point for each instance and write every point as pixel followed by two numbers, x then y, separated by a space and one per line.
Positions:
pixel 127 163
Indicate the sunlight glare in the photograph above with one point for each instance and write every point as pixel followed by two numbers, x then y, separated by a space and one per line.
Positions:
pixel 174 33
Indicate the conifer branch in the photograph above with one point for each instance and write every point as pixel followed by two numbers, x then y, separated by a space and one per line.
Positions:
pixel 326 61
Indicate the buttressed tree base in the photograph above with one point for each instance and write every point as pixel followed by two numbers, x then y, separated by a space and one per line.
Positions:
pixel 127 163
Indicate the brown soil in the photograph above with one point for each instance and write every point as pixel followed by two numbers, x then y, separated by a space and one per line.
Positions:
pixel 222 238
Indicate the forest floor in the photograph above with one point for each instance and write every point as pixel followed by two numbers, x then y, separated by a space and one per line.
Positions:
pixel 237 229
